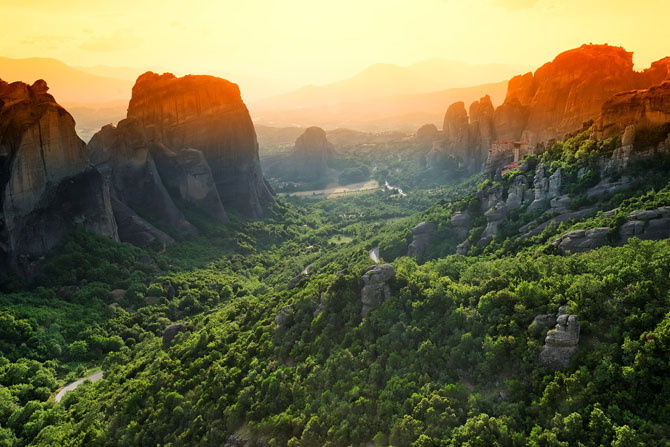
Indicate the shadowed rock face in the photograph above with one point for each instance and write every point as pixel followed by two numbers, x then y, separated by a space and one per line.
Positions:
pixel 376 288
pixel 310 153
pixel 205 113
pixel 47 185
pixel 122 154
pixel 421 238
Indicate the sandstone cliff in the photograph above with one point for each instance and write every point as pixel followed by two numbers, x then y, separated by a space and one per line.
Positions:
pixel 205 113
pixel 642 108
pixel 47 185
pixel 570 90
pixel 465 137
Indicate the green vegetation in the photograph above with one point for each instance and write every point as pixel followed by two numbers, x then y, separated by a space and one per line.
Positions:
pixel 450 359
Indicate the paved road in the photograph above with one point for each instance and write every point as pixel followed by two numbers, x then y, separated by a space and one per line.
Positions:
pixel 71 386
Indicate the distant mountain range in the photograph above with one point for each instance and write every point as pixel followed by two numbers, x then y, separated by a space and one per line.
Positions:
pixel 381 97
pixel 385 96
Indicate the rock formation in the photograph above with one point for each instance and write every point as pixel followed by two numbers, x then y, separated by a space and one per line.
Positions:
pixel 641 108
pixel 188 137
pixel 309 160
pixel 578 241
pixel 47 186
pixel 285 316
pixel 647 225
pixel 376 288
pixel 421 236
pixel 570 90
pixel 187 172
pixel 427 134
pixel 467 138
pixel 170 332
pixel 205 113
pixel 561 342
pixel 123 155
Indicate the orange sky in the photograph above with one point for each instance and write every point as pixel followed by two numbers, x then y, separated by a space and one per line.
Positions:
pixel 295 42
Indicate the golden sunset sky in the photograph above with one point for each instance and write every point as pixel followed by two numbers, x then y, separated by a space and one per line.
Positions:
pixel 318 41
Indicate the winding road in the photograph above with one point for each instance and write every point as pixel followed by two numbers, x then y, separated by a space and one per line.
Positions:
pixel 71 386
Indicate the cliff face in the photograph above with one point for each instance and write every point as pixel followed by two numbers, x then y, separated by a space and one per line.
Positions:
pixel 642 108
pixel 47 185
pixel 571 89
pixel 122 154
pixel 205 113
pixel 467 137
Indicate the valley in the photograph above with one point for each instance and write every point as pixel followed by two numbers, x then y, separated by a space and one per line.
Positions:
pixel 499 279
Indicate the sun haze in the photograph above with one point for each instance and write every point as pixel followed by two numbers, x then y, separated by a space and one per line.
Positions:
pixel 296 42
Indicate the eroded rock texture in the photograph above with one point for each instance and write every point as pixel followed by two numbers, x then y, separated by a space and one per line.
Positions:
pixel 421 238
pixel 561 342
pixel 47 186
pixel 205 113
pixel 376 288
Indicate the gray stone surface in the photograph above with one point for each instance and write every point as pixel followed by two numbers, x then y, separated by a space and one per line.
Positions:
pixel 376 288
pixel 421 237
pixel 581 240
pixel 561 342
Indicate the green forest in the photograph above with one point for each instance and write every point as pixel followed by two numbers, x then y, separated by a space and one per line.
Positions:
pixel 273 348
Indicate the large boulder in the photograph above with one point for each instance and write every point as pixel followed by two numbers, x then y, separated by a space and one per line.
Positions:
pixel 561 342
pixel 376 288
pixel 47 186
pixel 421 236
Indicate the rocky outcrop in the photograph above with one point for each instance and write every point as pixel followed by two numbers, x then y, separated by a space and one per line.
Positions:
pixel 376 288
pixel 427 134
pixel 47 186
pixel 647 225
pixel 641 108
pixel 310 155
pixel 545 188
pixel 579 241
pixel 467 138
pixel 518 193
pixel 123 155
pixel 205 113
pixel 482 127
pixel 188 173
pixel 421 238
pixel 285 316
pixel 561 342
pixel 570 90
pixel 494 218
pixel 170 332
pixel 134 229
pixel 460 224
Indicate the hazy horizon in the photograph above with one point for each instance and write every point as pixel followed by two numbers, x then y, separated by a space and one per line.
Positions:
pixel 297 42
